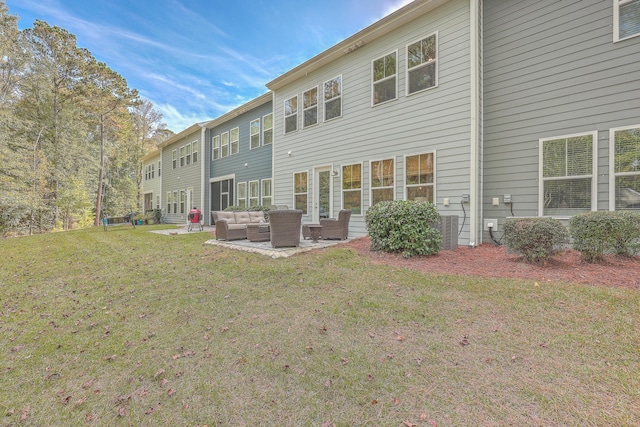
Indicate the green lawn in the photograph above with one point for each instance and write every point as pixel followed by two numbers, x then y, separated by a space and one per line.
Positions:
pixel 129 328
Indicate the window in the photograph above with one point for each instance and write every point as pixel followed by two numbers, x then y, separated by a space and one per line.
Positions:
pixel 188 155
pixel 194 151
pixel 352 188
pixel 215 147
pixel 242 195
pixel 181 156
pixel 300 189
pixel 267 129
pixel 419 177
pixel 153 171
pixel 310 107
pixel 159 167
pixel 224 144
pixel 235 137
pixel 175 202
pixel 157 201
pixel 174 157
pixel 384 78
pixel 267 192
pixel 168 202
pixel 625 166
pixel 254 193
pixel 254 134
pixel 183 198
pixel 333 98
pixel 382 180
pixel 567 180
pixel 291 114
pixel 421 64
pixel 626 19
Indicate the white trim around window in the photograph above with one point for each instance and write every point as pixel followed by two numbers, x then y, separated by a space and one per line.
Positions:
pixel 241 195
pixel 566 173
pixel 420 176
pixel 382 177
pixel 301 191
pixel 234 145
pixel 266 192
pixel 215 147
pixel 267 129
pixel 174 158
pixel 422 64
pixel 254 134
pixel 291 114
pixel 194 151
pixel 626 19
pixel 332 98
pixel 224 144
pixel 384 78
pixel 310 107
pixel 254 193
pixel 624 168
pixel 351 188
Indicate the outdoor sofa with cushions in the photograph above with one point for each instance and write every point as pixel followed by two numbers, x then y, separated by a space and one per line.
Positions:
pixel 233 225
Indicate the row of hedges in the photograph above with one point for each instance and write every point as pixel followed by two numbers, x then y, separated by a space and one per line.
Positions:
pixel 594 234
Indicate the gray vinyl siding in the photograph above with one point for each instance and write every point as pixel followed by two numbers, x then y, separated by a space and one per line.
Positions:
pixel 550 69
pixel 152 185
pixel 258 160
pixel 435 120
pixel 181 178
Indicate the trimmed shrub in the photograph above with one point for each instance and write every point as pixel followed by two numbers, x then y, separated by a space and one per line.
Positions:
pixel 404 226
pixel 595 234
pixel 536 239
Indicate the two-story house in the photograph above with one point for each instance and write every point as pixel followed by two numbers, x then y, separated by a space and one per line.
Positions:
pixel 151 181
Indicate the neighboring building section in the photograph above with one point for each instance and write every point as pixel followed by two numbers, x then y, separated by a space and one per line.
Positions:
pixel 239 157
pixel 151 181
pixel 182 174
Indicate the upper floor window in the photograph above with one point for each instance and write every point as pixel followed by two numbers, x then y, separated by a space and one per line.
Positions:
pixel 300 191
pixel 182 156
pixel 188 153
pixel 159 167
pixel 254 193
pixel 625 162
pixel 168 202
pixel 419 177
pixel 215 147
pixel 235 140
pixel 224 144
pixel 384 78
pixel 626 19
pixel 242 195
pixel 291 114
pixel 382 180
pixel 267 129
pixel 254 134
pixel 194 152
pixel 310 107
pixel 352 188
pixel 421 64
pixel 333 98
pixel 567 182
pixel 174 158
pixel 267 192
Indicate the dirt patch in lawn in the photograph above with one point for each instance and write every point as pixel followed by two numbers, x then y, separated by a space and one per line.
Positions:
pixel 489 260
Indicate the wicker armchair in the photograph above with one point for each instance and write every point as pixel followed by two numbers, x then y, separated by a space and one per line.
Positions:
pixel 336 228
pixel 285 227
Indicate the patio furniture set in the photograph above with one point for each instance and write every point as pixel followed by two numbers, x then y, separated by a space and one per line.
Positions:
pixel 283 228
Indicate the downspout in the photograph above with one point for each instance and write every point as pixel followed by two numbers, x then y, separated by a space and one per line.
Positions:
pixel 161 178
pixel 203 156
pixel 474 179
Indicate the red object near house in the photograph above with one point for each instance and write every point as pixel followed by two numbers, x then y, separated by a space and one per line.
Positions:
pixel 195 216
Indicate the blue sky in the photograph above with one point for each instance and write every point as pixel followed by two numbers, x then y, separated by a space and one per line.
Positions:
pixel 197 59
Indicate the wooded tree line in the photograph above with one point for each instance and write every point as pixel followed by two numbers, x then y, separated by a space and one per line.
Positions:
pixel 72 132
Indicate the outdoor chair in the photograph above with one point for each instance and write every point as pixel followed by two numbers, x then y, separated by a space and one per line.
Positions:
pixel 336 228
pixel 285 227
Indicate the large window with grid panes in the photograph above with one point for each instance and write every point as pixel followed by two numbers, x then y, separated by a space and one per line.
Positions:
pixel 300 191
pixel 382 180
pixel 333 98
pixel 267 129
pixel 422 70
pixel 352 188
pixel 625 168
pixel 420 177
pixel 241 194
pixel 384 78
pixel 267 191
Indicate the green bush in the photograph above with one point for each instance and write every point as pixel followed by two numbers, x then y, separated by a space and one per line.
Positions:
pixel 595 234
pixel 536 239
pixel 404 226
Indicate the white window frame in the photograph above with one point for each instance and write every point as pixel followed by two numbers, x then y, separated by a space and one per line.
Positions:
pixel 157 201
pixel 385 78
pixel 187 149
pixel 234 141
pixel 593 175
pixel 175 202
pixel 612 165
pixel 326 100
pixel 254 134
pixel 616 21
pixel 383 187
pixel 422 64
pixel 267 130
pixel 224 144
pixel 290 115
pixel 183 200
pixel 181 156
pixel 159 167
pixel 305 193
pixel 194 151
pixel 352 190
pixel 174 158
pixel 432 184
pixel 266 191
pixel 215 147
pixel 241 194
pixel 311 107
pixel 254 193
pixel 168 202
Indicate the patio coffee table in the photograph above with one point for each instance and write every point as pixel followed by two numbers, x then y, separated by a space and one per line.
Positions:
pixel 315 231
pixel 258 232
